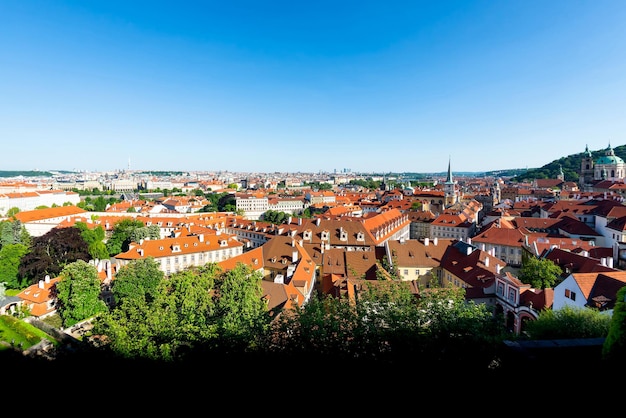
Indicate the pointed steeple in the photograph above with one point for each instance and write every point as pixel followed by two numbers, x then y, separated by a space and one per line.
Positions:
pixel 449 177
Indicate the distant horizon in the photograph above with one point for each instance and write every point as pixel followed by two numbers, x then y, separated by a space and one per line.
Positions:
pixel 309 86
pixel 441 172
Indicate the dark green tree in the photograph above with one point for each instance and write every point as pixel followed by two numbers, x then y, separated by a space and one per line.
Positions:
pixel 614 348
pixel 51 252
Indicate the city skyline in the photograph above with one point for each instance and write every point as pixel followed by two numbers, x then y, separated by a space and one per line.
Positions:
pixel 298 87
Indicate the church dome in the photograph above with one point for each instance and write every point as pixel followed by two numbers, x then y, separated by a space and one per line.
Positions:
pixel 609 158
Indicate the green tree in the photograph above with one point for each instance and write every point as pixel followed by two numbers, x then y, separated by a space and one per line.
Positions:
pixel 12 212
pixel 181 318
pixel 10 256
pixel 78 293
pixel 540 273
pixel 14 232
pixel 100 204
pixel 138 280
pixel 94 237
pixel 614 348
pixel 121 236
pixel 243 314
pixel 143 232
pixel 569 322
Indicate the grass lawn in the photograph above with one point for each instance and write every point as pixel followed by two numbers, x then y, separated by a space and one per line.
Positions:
pixel 17 333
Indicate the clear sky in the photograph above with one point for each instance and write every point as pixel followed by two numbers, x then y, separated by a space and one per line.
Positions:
pixel 308 86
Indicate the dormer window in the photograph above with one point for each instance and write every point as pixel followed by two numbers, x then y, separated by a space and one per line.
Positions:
pixel 325 235
pixel 343 236
pixel 360 236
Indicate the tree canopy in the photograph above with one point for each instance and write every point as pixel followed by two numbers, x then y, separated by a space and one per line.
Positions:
pixel 78 293
pixel 123 233
pixel 51 252
pixel 540 273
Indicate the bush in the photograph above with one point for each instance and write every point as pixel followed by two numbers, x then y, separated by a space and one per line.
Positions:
pixel 569 322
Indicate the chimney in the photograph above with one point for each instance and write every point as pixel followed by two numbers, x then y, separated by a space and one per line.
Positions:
pixel 47 278
pixel 609 262
pixel 469 250
pixel 299 221
pixel 294 256
pixel 426 242
pixel 498 268
pixel 435 240
pixel 469 240
pixel 41 284
pixel 201 237
pixel 486 261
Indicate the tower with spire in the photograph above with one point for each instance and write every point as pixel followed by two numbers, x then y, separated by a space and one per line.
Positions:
pixel 449 189
pixel 586 175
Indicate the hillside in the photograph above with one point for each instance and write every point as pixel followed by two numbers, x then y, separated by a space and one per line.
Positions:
pixel 569 164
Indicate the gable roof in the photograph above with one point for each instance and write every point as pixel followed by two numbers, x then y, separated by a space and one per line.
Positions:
pixel 48 213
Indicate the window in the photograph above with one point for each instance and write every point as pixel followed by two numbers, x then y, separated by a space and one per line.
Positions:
pixel 512 295
pixel 500 290
pixel 570 295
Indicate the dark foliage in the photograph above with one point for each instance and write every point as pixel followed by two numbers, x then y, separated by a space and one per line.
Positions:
pixel 51 252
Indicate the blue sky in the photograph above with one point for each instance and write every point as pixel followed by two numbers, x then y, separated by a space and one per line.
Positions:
pixel 264 86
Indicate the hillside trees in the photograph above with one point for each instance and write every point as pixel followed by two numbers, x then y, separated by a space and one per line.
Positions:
pixel 198 310
pixel 390 324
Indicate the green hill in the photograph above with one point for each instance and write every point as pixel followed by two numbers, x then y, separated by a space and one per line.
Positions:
pixel 570 165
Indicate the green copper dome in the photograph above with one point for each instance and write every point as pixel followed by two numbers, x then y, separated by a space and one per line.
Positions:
pixel 609 158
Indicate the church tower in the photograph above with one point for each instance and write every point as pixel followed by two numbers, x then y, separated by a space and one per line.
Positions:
pixel 449 189
pixel 586 169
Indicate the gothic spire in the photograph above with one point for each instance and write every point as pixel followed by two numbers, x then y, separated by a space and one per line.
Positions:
pixel 449 178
